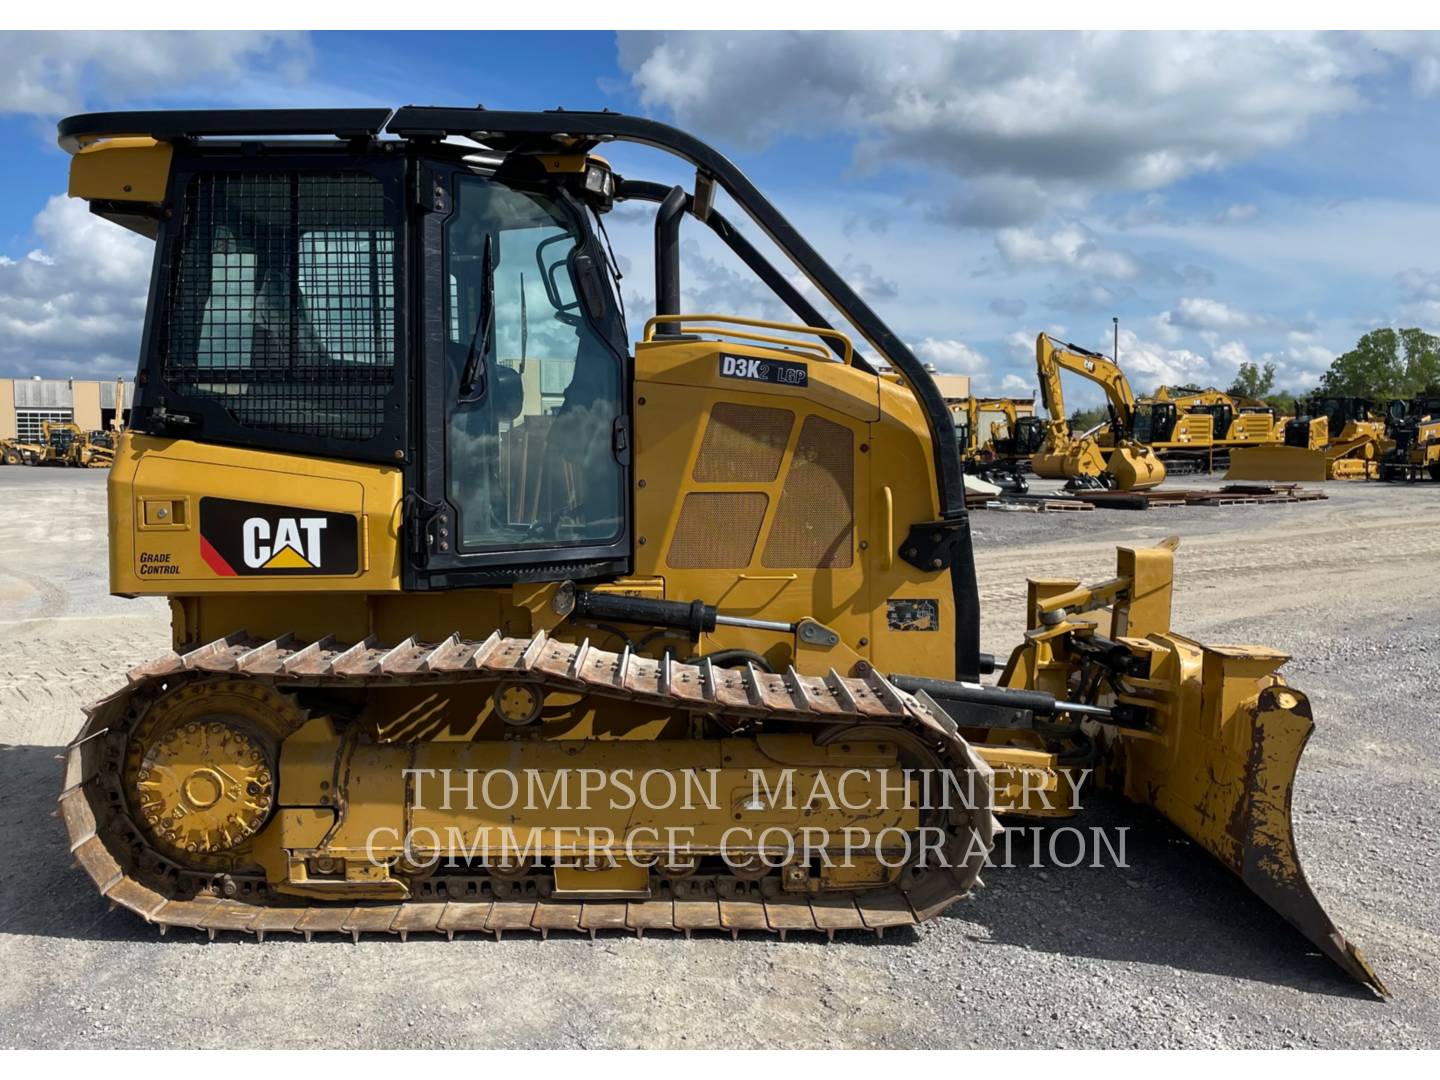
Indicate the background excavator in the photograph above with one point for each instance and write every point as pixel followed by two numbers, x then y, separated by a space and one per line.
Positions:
pixel 1329 438
pixel 1124 462
pixel 428 522
pixel 987 430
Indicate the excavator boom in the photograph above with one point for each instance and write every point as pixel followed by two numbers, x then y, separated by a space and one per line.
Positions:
pixel 1125 463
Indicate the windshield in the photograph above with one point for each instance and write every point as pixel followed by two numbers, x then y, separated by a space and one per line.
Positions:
pixel 1144 424
pixel 530 444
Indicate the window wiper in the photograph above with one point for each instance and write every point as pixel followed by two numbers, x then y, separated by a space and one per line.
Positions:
pixel 484 322
pixel 524 326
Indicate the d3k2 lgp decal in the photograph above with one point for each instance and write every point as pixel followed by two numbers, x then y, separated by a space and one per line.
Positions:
pixel 755 369
pixel 247 538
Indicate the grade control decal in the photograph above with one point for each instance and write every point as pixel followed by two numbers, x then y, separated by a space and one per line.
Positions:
pixel 244 539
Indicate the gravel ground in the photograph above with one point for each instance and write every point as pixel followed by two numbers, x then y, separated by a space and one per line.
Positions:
pixel 1169 952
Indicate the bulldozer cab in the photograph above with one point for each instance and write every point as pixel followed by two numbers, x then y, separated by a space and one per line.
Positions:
pixel 294 288
pixel 1339 411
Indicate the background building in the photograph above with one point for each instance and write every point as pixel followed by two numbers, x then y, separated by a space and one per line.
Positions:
pixel 27 403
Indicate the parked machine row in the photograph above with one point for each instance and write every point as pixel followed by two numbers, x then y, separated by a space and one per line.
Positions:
pixel 62 443
pixel 1193 429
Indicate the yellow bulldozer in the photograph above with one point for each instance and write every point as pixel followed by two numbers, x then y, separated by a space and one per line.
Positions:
pixel 96 449
pixel 1121 460
pixel 487 620
pixel 1414 431
pixel 1329 438
pixel 1234 423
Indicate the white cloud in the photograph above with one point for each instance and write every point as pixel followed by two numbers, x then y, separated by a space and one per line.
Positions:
pixel 1016 386
pixel 75 305
pixel 1071 246
pixel 1203 313
pixel 1237 212
pixel 50 73
pixel 1061 112
pixel 949 355
pixel 1420 297
pixel 1419 284
pixel 1148 364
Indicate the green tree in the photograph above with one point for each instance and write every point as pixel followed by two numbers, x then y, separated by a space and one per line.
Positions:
pixel 1282 401
pixel 1082 420
pixel 1422 361
pixel 1372 369
pixel 1253 381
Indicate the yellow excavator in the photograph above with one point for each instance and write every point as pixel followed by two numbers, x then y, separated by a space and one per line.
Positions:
pixel 987 430
pixel 487 620
pixel 1329 438
pixel 1126 463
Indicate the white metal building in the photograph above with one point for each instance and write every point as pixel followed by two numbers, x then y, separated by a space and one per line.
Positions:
pixel 25 404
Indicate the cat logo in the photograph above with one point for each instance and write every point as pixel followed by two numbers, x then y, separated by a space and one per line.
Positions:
pixel 288 551
pixel 244 538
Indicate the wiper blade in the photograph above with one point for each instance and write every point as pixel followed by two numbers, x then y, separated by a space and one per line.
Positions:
pixel 484 323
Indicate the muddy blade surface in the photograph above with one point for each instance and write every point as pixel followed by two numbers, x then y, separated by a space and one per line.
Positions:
pixel 1229 789
pixel 1268 859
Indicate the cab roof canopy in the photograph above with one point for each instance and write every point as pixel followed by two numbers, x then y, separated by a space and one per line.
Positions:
pixel 505 131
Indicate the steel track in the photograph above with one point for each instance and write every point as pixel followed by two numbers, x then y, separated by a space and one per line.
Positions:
pixel 130 873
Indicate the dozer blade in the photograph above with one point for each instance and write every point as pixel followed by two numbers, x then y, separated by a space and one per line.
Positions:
pixel 1276 463
pixel 1221 735
pixel 1225 775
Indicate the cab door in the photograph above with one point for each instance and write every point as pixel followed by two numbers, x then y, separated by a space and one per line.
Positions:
pixel 523 474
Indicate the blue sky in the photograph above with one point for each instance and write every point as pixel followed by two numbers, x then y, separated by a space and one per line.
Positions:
pixel 1229 197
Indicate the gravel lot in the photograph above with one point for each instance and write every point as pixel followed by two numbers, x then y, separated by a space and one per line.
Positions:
pixel 1170 952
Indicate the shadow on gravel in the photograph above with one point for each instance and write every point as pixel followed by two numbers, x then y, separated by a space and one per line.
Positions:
pixel 1173 906
pixel 50 896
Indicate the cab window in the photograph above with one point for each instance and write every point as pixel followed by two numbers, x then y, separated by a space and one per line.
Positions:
pixel 530 459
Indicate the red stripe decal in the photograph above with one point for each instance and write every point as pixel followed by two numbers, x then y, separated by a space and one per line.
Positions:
pixel 213 559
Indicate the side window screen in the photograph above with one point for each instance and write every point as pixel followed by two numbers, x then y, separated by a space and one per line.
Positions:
pixel 283 306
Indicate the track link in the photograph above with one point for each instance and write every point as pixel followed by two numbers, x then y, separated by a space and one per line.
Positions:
pixel 110 848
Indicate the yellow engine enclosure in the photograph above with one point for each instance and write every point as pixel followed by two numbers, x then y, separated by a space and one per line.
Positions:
pixel 770 502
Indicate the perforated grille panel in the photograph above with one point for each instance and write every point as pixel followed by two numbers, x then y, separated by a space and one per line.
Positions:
pixel 717 530
pixel 816 516
pixel 283 306
pixel 743 444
